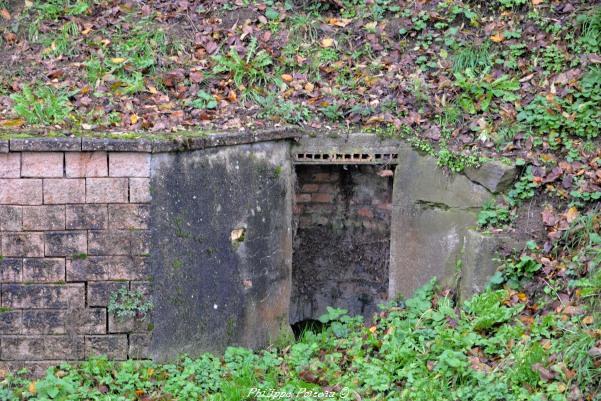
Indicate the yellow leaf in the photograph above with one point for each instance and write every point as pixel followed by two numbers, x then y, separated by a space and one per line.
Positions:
pixel 17 122
pixel 588 320
pixel 373 329
pixel 31 388
pixel 537 2
pixel 133 118
pixel 571 214
pixel 287 77
pixel 327 42
pixel 152 89
pixel 118 60
pixel 341 22
pixel 522 297
pixel 498 37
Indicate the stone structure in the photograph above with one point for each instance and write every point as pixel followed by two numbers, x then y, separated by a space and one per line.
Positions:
pixel 204 226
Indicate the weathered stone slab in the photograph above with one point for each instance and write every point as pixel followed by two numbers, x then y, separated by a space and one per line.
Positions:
pixel 40 218
pixel 129 217
pixel 61 321
pixel 478 264
pixel 494 175
pixel 11 218
pixel 139 346
pixel 107 190
pixel 43 296
pixel 100 292
pixel 105 268
pixel 42 164
pixel 201 279
pixel 11 322
pixel 45 145
pixel 431 213
pixel 116 145
pixel 29 244
pixel 43 270
pixel 10 165
pixel 11 270
pixel 86 164
pixel 21 191
pixel 66 243
pixel 139 190
pixel 113 346
pixel 64 190
pixel 119 242
pixel 86 217
pixel 39 348
pixel 128 164
pixel 4 146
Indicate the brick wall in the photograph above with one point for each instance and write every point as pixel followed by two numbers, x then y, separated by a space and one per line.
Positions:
pixel 73 229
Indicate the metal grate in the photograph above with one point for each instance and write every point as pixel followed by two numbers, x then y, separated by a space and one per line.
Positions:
pixel 346 158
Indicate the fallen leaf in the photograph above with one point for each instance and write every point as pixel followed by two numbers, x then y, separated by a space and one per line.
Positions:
pixel 498 37
pixel 31 388
pixel 373 329
pixel 341 22
pixel 133 118
pixel 118 60
pixel 5 14
pixel 571 214
pixel 588 320
pixel 14 123
pixel 385 173
pixel 287 77
pixel 537 2
pixel 327 42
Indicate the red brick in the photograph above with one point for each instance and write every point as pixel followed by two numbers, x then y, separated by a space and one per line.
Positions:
pixel 113 346
pixel 86 164
pixel 87 217
pixel 302 198
pixel 126 217
pixel 42 164
pixel 64 190
pixel 43 296
pixel 129 164
pixel 322 198
pixel 23 244
pixel 365 212
pixel 310 188
pixel 43 270
pixel 37 218
pixel 10 165
pixel 139 190
pixel 105 268
pixel 21 192
pixel 66 243
pixel 10 218
pixel 107 190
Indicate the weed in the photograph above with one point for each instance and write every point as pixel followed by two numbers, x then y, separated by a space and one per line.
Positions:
pixel 249 71
pixel 474 58
pixel 288 112
pixel 589 31
pixel 477 95
pixel 203 101
pixel 493 215
pixel 42 105
pixel 126 303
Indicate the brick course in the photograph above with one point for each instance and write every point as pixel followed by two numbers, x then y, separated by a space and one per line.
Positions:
pixel 73 230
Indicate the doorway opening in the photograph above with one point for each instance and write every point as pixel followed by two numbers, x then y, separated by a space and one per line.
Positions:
pixel 341 246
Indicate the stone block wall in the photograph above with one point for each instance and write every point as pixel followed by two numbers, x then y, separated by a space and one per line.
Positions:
pixel 74 228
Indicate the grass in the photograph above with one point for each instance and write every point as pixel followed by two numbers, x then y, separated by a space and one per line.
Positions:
pixel 42 105
pixel 422 349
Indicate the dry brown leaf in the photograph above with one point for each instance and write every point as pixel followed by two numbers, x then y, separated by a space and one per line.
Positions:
pixel 5 14
pixel 537 2
pixel 327 42
pixel 341 22
pixel 287 77
pixel 571 214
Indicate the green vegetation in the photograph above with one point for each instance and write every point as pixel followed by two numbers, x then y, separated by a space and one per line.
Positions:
pixel 126 303
pixel 42 105
pixel 423 349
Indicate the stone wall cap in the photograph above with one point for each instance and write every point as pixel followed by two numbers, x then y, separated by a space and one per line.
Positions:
pixel 148 143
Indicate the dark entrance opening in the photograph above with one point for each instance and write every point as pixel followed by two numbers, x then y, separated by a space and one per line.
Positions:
pixel 341 245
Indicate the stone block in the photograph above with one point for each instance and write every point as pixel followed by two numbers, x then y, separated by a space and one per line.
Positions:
pixel 64 190
pixel 129 325
pixel 139 190
pixel 86 164
pixel 21 191
pixel 62 321
pixel 86 217
pixel 43 296
pixel 118 242
pixel 11 322
pixel 100 292
pixel 129 164
pixel 106 268
pixel 43 270
pixel 46 144
pixel 40 348
pixel 113 346
pixel 39 218
pixel 107 190
pixel 11 218
pixel 139 346
pixel 42 164
pixel 495 176
pixel 129 217
pixel 478 264
pixel 23 244
pixel 10 270
pixel 66 243
pixel 10 165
